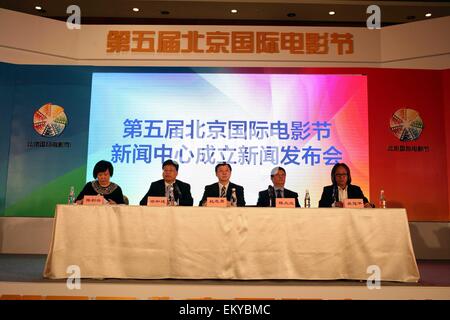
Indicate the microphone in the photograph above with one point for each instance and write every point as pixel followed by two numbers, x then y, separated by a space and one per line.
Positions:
pixel 271 192
pixel 177 189
pixel 335 194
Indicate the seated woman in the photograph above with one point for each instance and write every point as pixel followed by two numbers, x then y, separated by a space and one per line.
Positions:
pixel 341 189
pixel 110 191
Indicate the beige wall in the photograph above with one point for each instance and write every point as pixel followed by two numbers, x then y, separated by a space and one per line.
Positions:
pixel 25 235
pixel 30 39
pixel 423 44
pixel 26 39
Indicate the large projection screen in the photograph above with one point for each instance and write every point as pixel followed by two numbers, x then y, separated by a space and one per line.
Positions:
pixel 254 121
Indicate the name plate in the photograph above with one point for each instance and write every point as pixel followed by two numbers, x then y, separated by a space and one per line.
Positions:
pixel 216 202
pixel 353 203
pixel 156 201
pixel 90 200
pixel 285 202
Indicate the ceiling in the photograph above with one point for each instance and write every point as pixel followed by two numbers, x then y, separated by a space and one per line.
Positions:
pixel 250 12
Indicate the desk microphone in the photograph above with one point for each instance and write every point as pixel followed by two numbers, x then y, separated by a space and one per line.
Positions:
pixel 271 192
pixel 177 189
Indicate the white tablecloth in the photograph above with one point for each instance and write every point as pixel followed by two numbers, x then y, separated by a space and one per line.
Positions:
pixel 230 243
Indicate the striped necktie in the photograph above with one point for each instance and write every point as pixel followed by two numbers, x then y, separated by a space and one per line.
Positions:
pixel 223 192
pixel 168 190
pixel 279 194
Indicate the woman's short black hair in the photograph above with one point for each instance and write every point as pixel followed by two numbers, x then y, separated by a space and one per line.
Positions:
pixel 333 173
pixel 223 164
pixel 102 166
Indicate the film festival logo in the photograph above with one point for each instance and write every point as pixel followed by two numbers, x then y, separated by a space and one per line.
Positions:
pixel 49 121
pixel 407 126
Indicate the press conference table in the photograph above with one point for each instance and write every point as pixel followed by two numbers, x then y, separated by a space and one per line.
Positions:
pixel 117 241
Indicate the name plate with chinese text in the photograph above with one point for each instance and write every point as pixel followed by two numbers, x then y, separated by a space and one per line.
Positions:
pixel 93 200
pixel 216 202
pixel 285 203
pixel 156 201
pixel 353 203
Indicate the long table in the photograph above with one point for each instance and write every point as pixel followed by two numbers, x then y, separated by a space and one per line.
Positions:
pixel 118 241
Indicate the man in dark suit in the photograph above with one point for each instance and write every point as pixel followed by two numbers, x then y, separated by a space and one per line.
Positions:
pixel 341 189
pixel 267 197
pixel 161 188
pixel 224 187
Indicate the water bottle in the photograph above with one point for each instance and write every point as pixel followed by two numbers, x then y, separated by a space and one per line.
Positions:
pixel 233 198
pixel 307 199
pixel 71 199
pixel 382 200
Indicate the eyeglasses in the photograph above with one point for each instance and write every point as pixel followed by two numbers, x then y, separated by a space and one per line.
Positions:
pixel 282 175
pixel 340 174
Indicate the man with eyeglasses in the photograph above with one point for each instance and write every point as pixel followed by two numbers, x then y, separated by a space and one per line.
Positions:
pixel 341 189
pixel 267 197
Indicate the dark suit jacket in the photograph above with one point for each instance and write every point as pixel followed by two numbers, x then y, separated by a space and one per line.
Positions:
pixel 353 192
pixel 158 189
pixel 213 191
pixel 264 201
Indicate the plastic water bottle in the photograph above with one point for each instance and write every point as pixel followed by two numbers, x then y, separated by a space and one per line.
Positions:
pixel 233 198
pixel 382 200
pixel 71 199
pixel 307 199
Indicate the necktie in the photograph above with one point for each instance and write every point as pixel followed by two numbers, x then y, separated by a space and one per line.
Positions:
pixel 223 192
pixel 279 194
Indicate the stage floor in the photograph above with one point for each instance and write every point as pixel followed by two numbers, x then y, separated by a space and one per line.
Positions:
pixel 22 275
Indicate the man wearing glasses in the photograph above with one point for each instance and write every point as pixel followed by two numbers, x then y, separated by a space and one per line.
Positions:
pixel 341 189
pixel 266 198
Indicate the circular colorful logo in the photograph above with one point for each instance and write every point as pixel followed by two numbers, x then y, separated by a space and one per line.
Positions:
pixel 50 120
pixel 406 124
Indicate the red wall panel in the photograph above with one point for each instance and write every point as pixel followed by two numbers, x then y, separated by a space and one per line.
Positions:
pixel 446 91
pixel 417 181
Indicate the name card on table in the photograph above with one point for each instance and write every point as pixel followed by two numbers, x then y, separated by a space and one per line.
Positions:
pixel 90 200
pixel 216 202
pixel 285 203
pixel 156 201
pixel 353 203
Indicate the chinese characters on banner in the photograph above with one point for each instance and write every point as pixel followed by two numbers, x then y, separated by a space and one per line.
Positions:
pixel 48 144
pixel 232 130
pixel 229 42
pixel 404 148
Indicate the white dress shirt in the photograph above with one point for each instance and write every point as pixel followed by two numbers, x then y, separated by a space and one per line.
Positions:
pixel 342 195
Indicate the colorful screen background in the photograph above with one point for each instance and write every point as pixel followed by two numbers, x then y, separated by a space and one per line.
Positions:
pixel 340 101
